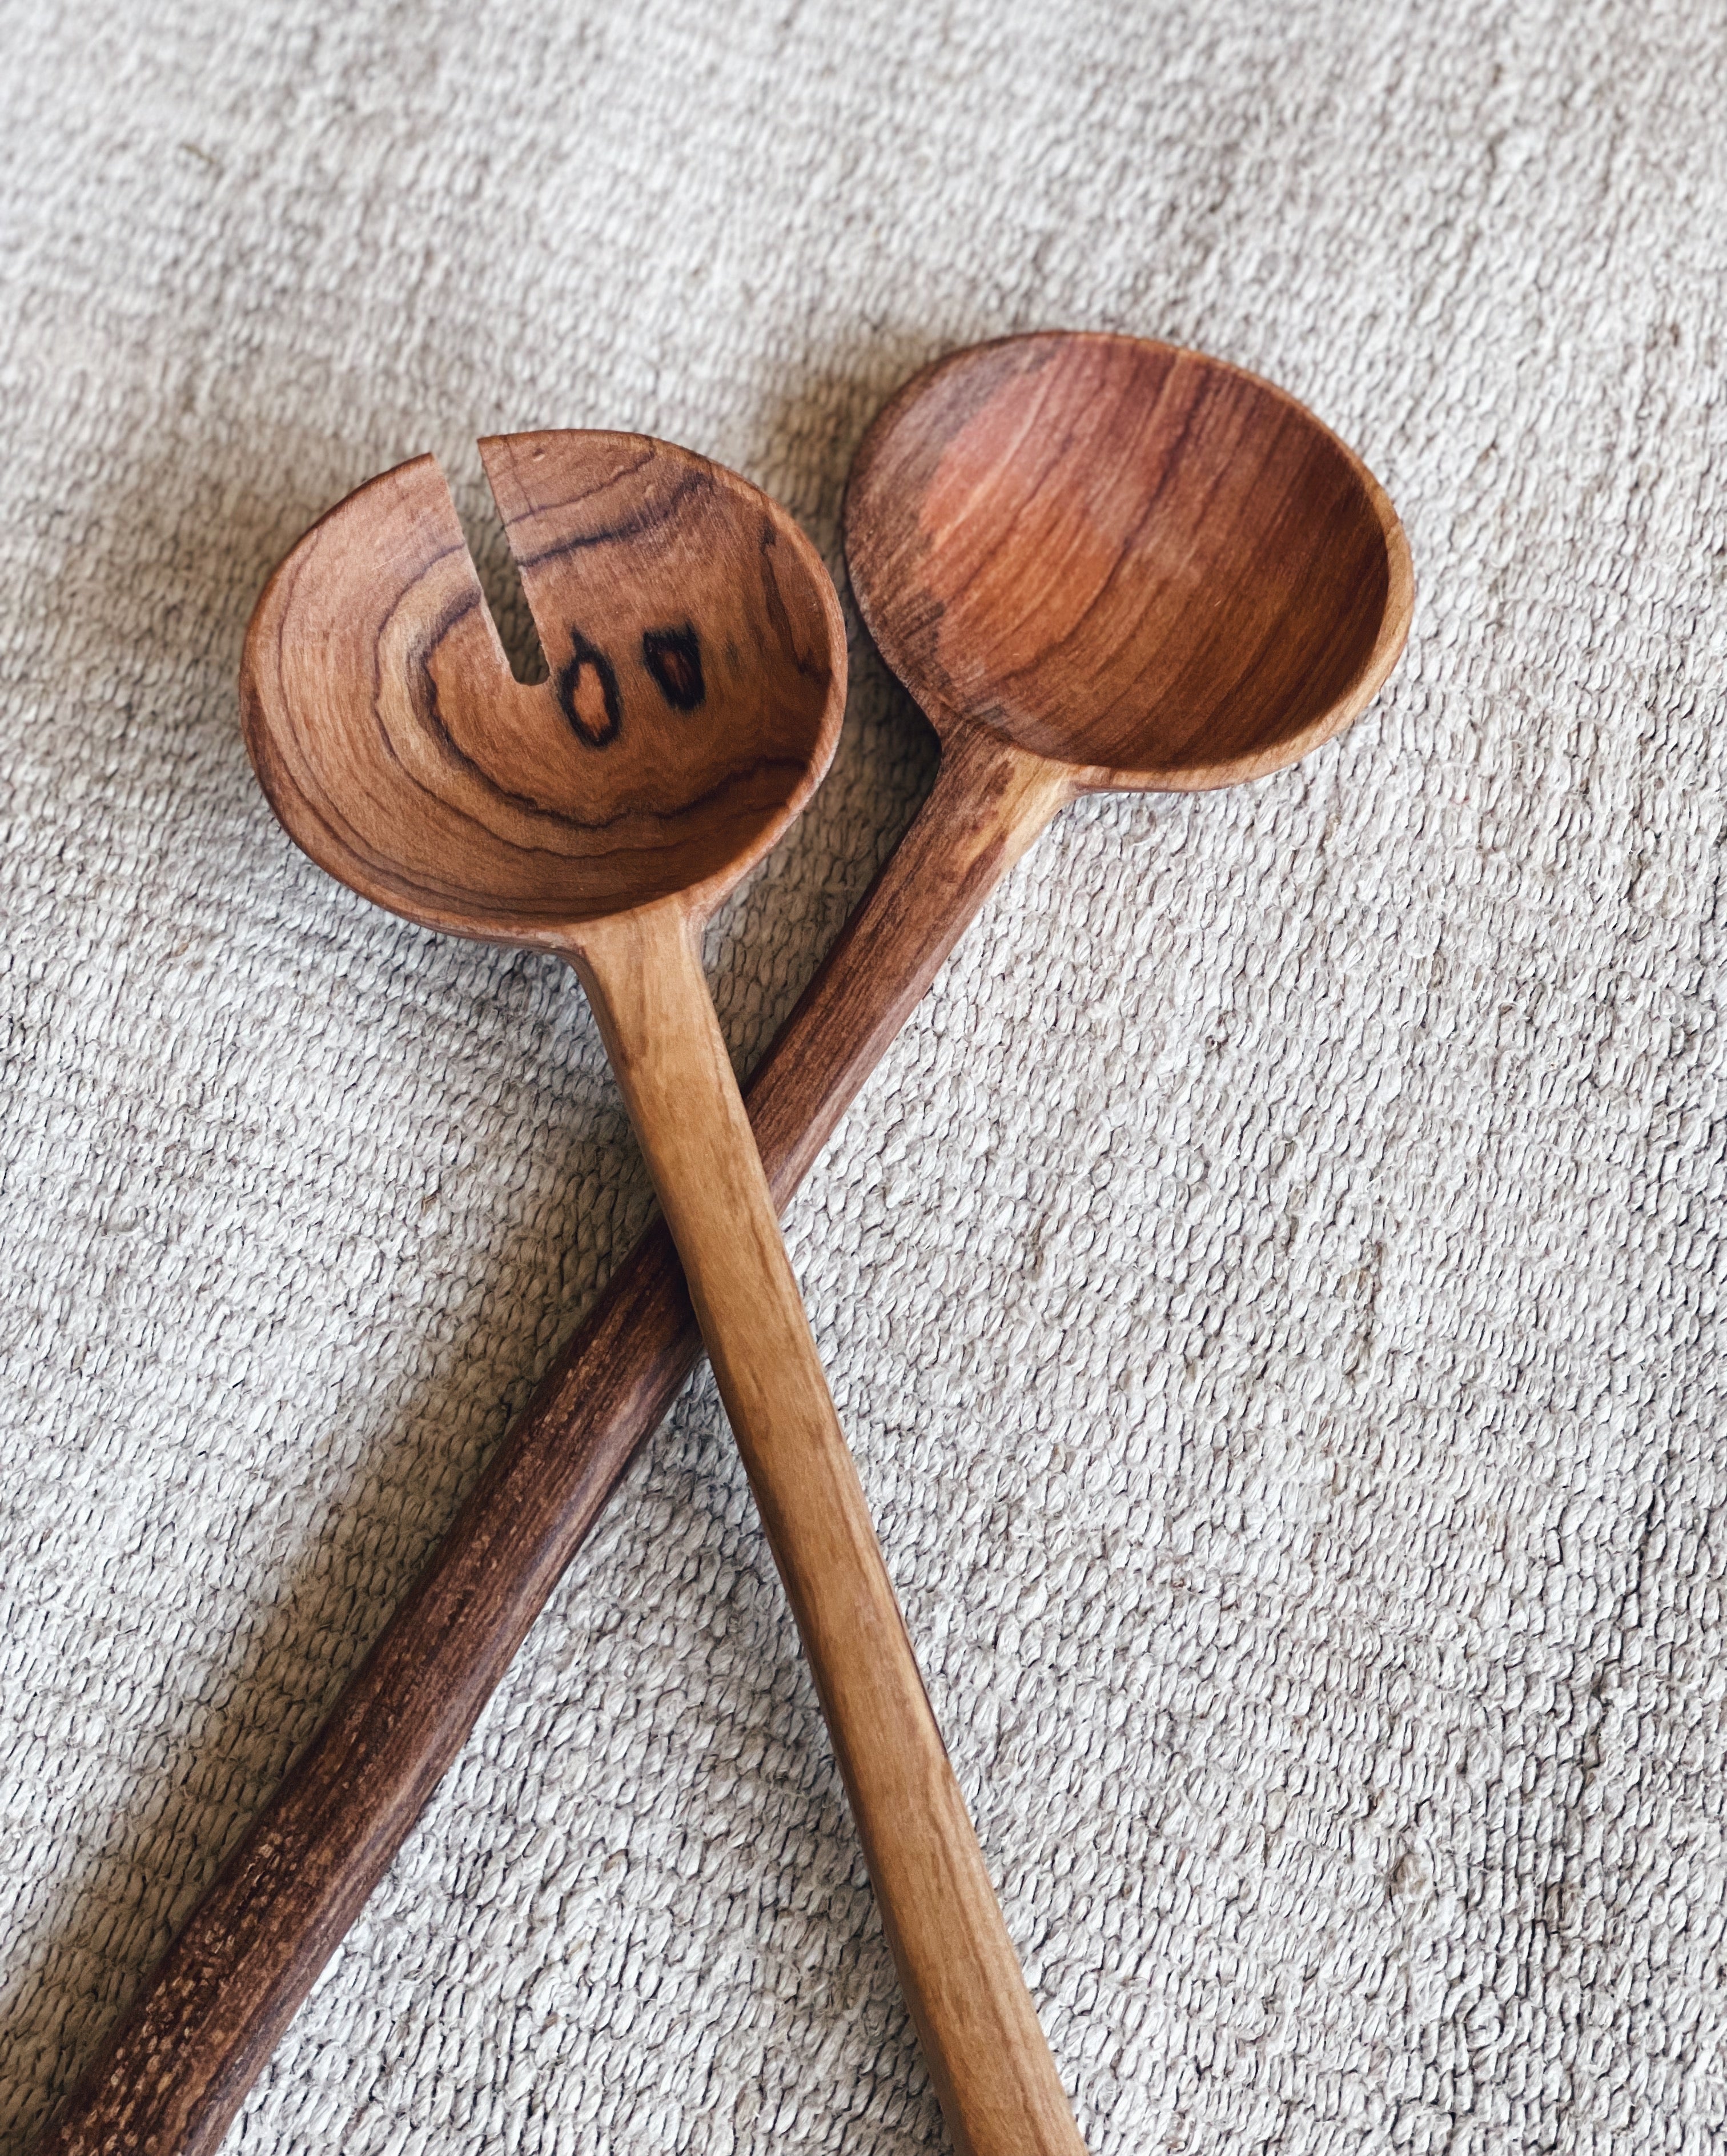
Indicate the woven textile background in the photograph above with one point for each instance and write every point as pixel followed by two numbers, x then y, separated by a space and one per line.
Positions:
pixel 1272 1286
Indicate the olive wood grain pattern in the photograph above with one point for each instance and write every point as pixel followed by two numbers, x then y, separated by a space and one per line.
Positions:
pixel 177 2066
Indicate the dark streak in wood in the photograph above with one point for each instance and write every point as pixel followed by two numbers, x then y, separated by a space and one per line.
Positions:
pixel 674 502
pixel 575 698
pixel 673 656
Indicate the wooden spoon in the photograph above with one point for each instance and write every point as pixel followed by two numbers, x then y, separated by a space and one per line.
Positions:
pixel 1122 565
pixel 175 2068
pixel 697 659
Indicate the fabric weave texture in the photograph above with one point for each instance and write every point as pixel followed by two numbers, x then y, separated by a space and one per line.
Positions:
pixel 1271 1287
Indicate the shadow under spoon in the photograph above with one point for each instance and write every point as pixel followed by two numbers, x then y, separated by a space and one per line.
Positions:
pixel 1094 561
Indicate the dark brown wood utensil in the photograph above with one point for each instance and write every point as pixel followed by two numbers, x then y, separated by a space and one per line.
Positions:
pixel 1094 561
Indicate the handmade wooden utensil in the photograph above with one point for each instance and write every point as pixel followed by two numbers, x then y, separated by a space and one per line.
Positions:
pixel 1272 528
pixel 697 658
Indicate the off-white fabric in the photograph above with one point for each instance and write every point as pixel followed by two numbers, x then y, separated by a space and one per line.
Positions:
pixel 1272 1286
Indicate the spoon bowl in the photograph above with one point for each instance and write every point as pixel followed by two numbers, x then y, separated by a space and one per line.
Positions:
pixel 1125 558
pixel 697 670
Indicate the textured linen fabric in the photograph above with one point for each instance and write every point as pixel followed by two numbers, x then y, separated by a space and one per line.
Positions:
pixel 1272 1284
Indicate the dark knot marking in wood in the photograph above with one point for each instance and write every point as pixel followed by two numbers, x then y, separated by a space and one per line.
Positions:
pixel 673 656
pixel 587 693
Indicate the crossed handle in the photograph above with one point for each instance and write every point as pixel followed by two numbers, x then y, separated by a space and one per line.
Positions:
pixel 172 2073
pixel 993 2074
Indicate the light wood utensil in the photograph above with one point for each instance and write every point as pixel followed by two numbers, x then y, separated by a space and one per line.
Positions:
pixel 697 658
pixel 1219 527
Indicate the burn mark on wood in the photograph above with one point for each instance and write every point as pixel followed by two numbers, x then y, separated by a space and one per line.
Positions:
pixel 673 656
pixel 587 693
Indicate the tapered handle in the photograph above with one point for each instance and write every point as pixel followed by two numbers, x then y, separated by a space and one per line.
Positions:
pixel 993 2074
pixel 174 2070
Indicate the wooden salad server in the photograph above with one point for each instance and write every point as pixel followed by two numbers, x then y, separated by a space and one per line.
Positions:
pixel 697 657
pixel 1275 536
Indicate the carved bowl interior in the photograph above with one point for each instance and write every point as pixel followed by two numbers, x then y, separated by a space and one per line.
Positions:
pixel 697 678
pixel 1124 556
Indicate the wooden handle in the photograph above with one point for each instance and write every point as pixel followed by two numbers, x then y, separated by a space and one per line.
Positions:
pixel 175 2069
pixel 993 2074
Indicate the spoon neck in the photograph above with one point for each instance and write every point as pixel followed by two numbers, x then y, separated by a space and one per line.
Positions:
pixel 642 972
pixel 988 782
pixel 989 802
